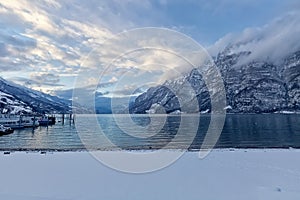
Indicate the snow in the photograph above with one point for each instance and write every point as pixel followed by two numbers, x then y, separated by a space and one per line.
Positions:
pixel 286 112
pixel 18 109
pixel 224 174
pixel 2 94
pixel 15 105
pixel 33 95
pixel 153 108
pixel 176 112
pixel 7 98
pixel 205 111
pixel 150 111
pixel 228 108
pixel 13 94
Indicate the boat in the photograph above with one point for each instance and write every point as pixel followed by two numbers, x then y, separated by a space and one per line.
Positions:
pixel 25 121
pixel 5 130
pixel 29 121
pixel 11 121
pixel 18 121
pixel 47 120
pixel 43 121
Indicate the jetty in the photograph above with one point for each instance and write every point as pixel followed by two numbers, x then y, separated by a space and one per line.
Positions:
pixel 32 121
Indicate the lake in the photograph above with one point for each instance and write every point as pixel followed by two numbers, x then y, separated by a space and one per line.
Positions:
pixel 240 131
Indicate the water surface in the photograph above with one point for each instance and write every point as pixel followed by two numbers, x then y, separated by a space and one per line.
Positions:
pixel 240 131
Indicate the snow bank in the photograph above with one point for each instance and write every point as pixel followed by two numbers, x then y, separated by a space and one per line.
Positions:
pixel 224 174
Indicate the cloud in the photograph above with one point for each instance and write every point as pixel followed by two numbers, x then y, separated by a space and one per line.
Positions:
pixel 113 79
pixel 44 37
pixel 50 40
pixel 45 78
pixel 97 89
pixel 54 37
pixel 128 90
pixel 18 41
pixel 106 84
pixel 272 42
pixel 3 50
pixel 37 80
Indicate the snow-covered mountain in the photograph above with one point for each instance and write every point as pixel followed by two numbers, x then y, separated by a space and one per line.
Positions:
pixel 254 87
pixel 260 68
pixel 16 99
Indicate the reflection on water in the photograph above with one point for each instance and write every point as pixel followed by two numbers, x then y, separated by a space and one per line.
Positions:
pixel 269 130
pixel 240 131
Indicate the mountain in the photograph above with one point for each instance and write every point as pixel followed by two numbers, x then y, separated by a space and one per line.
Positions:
pixel 260 68
pixel 107 105
pixel 103 104
pixel 16 99
pixel 252 86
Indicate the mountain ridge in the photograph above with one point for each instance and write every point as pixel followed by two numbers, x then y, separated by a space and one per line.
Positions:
pixel 252 87
pixel 17 99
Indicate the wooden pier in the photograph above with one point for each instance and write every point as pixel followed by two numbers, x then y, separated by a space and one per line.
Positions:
pixel 64 118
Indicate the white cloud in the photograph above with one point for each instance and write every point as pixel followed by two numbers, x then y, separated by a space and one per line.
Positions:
pixel 37 36
pixel 272 42
pixel 55 37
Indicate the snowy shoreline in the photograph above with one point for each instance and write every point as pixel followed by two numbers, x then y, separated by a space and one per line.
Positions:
pixel 223 174
pixel 52 151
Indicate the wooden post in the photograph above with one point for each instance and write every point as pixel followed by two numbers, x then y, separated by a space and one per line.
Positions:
pixel 33 123
pixel 63 119
pixel 20 121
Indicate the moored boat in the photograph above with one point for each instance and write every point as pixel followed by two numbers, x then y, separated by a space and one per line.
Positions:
pixel 5 130
pixel 47 120
pixel 18 121
pixel 13 123
pixel 26 121
pixel 29 121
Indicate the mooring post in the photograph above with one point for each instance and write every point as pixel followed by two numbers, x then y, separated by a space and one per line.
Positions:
pixel 33 123
pixel 20 121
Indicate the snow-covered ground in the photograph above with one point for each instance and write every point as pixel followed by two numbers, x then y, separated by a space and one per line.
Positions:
pixel 12 105
pixel 224 174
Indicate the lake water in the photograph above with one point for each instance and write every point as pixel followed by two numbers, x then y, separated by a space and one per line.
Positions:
pixel 240 131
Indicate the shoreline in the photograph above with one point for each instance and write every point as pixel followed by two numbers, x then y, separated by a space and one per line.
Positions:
pixel 53 151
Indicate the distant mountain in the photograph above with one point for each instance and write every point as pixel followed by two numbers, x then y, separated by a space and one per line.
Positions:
pixel 252 86
pixel 16 99
pixel 103 104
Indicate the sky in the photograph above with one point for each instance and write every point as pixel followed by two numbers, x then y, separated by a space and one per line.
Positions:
pixel 46 44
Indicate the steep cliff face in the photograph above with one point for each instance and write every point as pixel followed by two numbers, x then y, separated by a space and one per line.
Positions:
pixel 251 87
pixel 291 76
pixel 187 93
